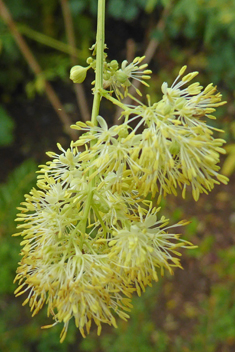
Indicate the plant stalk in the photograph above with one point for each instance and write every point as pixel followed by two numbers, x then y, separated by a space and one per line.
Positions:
pixel 99 60
pixel 96 102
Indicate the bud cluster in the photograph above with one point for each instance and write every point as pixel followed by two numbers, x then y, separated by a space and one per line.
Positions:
pixel 118 79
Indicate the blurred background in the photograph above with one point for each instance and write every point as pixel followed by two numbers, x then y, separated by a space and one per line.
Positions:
pixel 40 41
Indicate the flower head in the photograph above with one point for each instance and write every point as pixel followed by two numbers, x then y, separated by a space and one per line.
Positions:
pixel 144 246
pixel 73 284
pixel 177 147
pixel 119 80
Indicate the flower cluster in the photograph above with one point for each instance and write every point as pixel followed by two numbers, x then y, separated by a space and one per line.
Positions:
pixel 91 238
pixel 86 263
pixel 176 148
pixel 117 79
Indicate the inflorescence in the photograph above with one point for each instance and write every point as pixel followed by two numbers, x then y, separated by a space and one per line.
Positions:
pixel 91 237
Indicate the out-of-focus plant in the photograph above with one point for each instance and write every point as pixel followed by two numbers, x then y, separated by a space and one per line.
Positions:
pixel 35 67
pixel 215 327
pixel 91 233
pixel 6 128
pixel 12 193
pixel 229 163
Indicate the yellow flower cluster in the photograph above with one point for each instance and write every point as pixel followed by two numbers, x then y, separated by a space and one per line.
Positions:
pixel 91 238
pixel 176 148
pixel 88 272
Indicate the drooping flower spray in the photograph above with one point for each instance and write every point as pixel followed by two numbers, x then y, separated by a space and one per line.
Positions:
pixel 91 236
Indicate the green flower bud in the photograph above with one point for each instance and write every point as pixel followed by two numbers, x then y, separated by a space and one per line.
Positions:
pixel 121 76
pixel 89 60
pixel 123 131
pixel 174 148
pixel 180 103
pixel 78 73
pixel 106 76
pixel 167 109
pixel 114 65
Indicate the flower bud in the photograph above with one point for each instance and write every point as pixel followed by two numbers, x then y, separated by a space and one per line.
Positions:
pixel 78 73
pixel 164 87
pixel 121 76
pixel 106 76
pixel 114 65
pixel 123 131
pixel 90 60
pixel 174 147
pixel 180 103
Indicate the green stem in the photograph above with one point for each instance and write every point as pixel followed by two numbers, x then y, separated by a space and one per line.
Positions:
pixel 83 222
pixel 96 101
pixel 113 100
pixel 100 219
pixel 99 60
pixel 51 42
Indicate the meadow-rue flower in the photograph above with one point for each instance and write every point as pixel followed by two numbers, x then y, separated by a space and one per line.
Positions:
pixel 60 265
pixel 86 275
pixel 73 284
pixel 90 235
pixel 177 147
pixel 144 246
pixel 64 166
pixel 111 152
pixel 179 155
pixel 119 79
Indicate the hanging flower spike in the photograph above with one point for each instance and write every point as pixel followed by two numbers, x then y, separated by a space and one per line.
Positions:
pixel 91 236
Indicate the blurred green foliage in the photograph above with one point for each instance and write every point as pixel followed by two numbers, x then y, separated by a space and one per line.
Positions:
pixel 141 334
pixel 199 33
pixel 6 128
pixel 11 194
